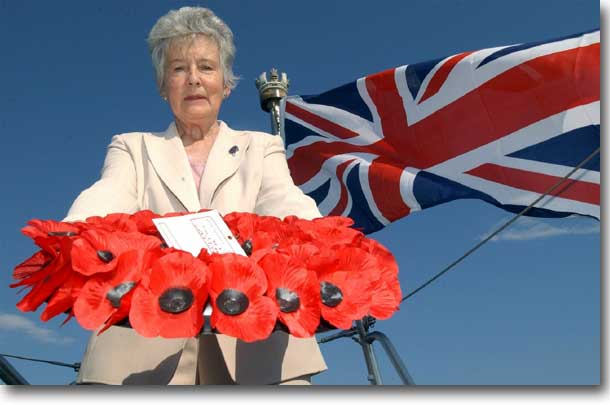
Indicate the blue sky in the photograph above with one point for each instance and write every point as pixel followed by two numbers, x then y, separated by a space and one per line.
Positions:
pixel 525 309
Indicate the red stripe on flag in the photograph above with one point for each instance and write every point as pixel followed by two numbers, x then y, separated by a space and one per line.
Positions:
pixel 576 190
pixel 340 207
pixel 307 160
pixel 384 181
pixel 521 96
pixel 319 122
pixel 384 93
pixel 441 75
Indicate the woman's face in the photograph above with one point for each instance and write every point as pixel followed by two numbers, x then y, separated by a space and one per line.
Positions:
pixel 194 82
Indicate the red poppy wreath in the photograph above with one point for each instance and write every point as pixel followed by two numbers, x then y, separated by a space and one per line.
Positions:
pixel 298 275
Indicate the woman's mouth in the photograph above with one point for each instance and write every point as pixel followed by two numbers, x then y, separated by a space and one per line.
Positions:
pixel 194 97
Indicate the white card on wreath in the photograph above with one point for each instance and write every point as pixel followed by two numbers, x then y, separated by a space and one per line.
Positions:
pixel 193 232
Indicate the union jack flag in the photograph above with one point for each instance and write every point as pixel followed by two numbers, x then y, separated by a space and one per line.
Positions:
pixel 500 124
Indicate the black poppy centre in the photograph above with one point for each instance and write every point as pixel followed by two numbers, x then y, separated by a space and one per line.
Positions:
pixel 247 247
pixel 331 294
pixel 287 299
pixel 115 295
pixel 62 233
pixel 176 300
pixel 105 255
pixel 232 302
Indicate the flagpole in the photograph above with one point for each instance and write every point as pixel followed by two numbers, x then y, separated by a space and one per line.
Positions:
pixel 271 91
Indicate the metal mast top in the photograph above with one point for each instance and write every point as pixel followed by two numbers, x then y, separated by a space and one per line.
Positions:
pixel 271 92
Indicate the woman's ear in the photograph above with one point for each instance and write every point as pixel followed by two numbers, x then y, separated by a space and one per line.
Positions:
pixel 163 90
pixel 226 93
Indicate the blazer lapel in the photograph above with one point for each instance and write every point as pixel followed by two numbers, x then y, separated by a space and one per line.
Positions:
pixel 168 157
pixel 224 159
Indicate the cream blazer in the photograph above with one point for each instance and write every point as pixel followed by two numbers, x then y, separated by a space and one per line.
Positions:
pixel 246 172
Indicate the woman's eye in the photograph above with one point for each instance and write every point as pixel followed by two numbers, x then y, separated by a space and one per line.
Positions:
pixel 205 67
pixel 178 69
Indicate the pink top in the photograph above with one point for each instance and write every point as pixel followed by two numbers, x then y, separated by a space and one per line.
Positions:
pixel 197 170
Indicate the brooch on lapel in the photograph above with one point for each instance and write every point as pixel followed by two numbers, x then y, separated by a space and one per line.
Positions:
pixel 233 151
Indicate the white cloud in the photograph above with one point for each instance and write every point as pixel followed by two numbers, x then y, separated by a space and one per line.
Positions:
pixel 21 324
pixel 526 228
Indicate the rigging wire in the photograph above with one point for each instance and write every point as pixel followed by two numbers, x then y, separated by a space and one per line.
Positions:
pixel 501 228
pixel 75 366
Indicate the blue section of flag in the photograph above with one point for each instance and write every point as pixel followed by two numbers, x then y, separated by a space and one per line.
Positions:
pixel 431 190
pixel 416 73
pixel 294 133
pixel 534 212
pixel 360 212
pixel 568 149
pixel 320 193
pixel 511 49
pixel 345 98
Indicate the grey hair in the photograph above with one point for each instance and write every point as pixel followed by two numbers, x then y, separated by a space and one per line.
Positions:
pixel 190 21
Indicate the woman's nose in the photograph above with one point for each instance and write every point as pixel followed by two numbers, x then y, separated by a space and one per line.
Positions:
pixel 193 78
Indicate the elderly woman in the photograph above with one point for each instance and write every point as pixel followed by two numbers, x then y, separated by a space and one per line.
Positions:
pixel 198 162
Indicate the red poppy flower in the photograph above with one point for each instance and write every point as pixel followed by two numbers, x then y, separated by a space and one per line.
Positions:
pixel 175 214
pixel 239 307
pixel 243 225
pixel 121 294
pixel 304 253
pixel 44 281
pixel 269 224
pixel 32 265
pixel 63 298
pixel 56 256
pixel 328 221
pixel 43 289
pixel 38 228
pixel 327 231
pixel 301 251
pixel 291 235
pixel 387 294
pixel 169 302
pixel 255 232
pixel 111 222
pixel 295 291
pixel 97 250
pixel 385 299
pixel 205 256
pixel 143 220
pixel 54 239
pixel 346 276
pixel 384 256
pixel 108 294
